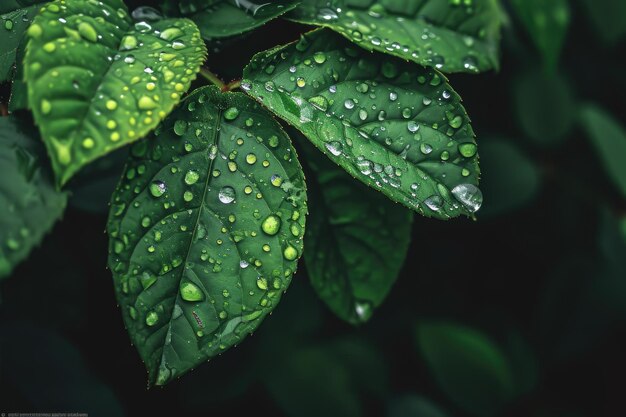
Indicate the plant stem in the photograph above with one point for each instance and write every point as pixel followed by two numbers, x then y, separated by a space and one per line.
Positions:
pixel 212 78
pixel 233 85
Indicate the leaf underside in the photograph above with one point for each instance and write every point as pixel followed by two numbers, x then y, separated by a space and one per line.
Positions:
pixel 395 126
pixel 226 18
pixel 356 242
pixel 29 203
pixel 206 228
pixel 97 80
pixel 452 36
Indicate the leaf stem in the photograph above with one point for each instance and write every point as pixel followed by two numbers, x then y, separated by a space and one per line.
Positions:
pixel 212 78
pixel 233 85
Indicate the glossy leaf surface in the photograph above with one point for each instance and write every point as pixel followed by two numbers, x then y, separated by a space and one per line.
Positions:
pixel 205 230
pixel 395 126
pixel 453 36
pixel 30 205
pixel 97 80
pixel 356 243
pixel 225 18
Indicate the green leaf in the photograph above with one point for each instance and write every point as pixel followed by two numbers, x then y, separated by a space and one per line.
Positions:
pixel 395 126
pixel 609 139
pixel 546 22
pixel 468 367
pixel 225 18
pixel 607 17
pixel 453 36
pixel 30 205
pixel 356 243
pixel 511 179
pixel 97 81
pixel 15 17
pixel 545 107
pixel 414 406
pixel 206 228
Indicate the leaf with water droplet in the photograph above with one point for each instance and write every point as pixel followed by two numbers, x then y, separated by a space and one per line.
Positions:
pixel 399 156
pixel 96 84
pixel 225 18
pixel 453 36
pixel 216 266
pixel 356 241
pixel 29 202
pixel 14 20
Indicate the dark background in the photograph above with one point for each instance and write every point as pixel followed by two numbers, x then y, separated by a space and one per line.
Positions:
pixel 540 274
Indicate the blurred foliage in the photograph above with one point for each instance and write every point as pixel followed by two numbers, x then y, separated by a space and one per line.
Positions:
pixel 520 313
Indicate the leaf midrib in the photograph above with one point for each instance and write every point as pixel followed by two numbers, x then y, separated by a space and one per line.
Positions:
pixel 214 142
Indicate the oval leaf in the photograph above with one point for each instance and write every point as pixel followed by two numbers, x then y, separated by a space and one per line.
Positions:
pixel 98 81
pixel 470 369
pixel 453 36
pixel 356 243
pixel 225 18
pixel 206 228
pixel 30 205
pixel 393 125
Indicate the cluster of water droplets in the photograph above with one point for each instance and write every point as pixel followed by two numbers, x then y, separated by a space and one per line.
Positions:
pixel 397 110
pixel 205 181
pixel 421 39
pixel 145 68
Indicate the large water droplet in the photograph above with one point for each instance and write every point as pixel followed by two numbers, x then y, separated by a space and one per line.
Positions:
pixel 469 195
pixel 157 188
pixel 227 195
pixel 190 292
pixel 271 225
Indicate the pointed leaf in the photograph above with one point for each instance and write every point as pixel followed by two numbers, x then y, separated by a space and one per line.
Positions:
pixel 609 139
pixel 450 35
pixel 546 22
pixel 98 81
pixel 15 16
pixel 395 126
pixel 206 228
pixel 356 243
pixel 225 18
pixel 468 367
pixel 29 203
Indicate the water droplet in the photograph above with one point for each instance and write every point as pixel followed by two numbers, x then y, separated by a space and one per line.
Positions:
pixel 469 195
pixel 227 195
pixel 231 113
pixel 334 147
pixel 152 318
pixel 180 127
pixel 327 14
pixel 271 225
pixel 191 177
pixel 190 292
pixel 87 32
pixel 290 253
pixel 434 202
pixel 467 149
pixel 412 126
pixel 157 188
